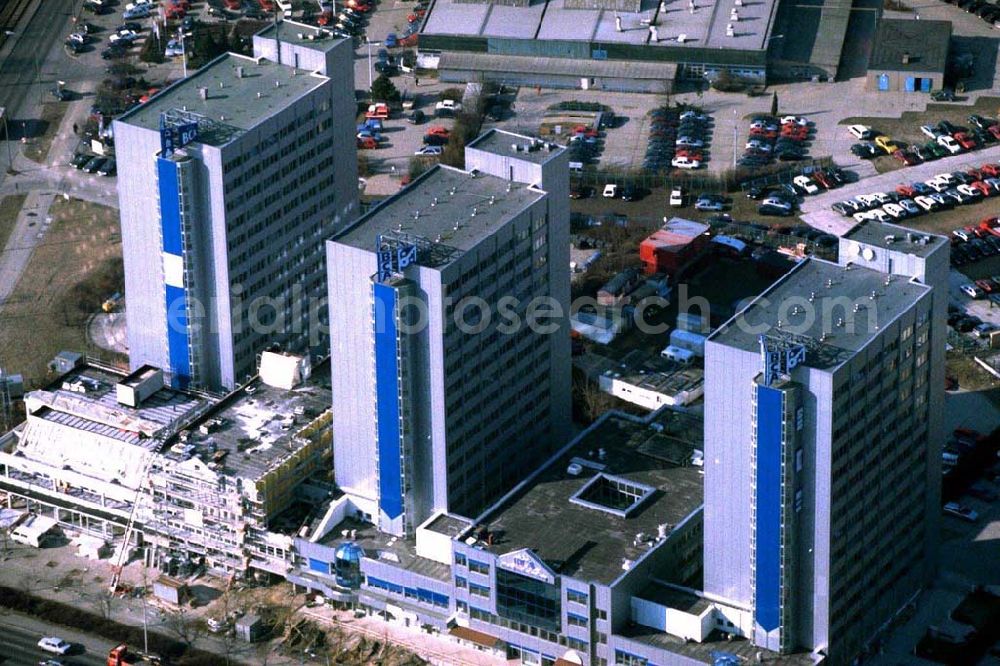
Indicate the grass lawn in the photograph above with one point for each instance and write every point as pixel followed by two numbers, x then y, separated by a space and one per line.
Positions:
pixel 52 114
pixel 9 208
pixel 64 280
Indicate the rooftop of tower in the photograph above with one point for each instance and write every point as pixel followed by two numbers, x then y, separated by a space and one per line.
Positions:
pixel 833 310
pixel 230 95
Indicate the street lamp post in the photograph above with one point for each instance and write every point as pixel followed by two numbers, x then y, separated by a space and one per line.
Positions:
pixel 370 44
pixel 6 139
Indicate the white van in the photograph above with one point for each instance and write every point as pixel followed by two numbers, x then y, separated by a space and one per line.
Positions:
pixel 678 355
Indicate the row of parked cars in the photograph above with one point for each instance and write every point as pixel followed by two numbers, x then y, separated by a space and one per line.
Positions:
pixel 945 190
pixel 678 138
pixel 945 138
pixel 104 166
pixel 781 200
pixel 771 138
pixel 974 243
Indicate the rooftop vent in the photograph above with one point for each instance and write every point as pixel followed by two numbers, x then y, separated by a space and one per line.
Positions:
pixel 874 295
pixel 493 199
pixel 416 215
pixel 474 211
pixel 906 58
pixel 277 84
pixel 259 94
pixel 474 173
pixel 222 84
pixel 812 296
pixel 434 201
pixel 239 71
pixel 203 92
pixel 890 239
pixel 574 469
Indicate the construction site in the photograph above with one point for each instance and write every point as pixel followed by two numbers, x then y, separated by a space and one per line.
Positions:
pixel 124 466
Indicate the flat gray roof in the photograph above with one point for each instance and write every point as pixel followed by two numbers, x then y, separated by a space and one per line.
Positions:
pixel 673 598
pixel 834 289
pixel 587 543
pixel 232 103
pixel 501 142
pixel 552 20
pixel 488 62
pixel 86 399
pixel 258 427
pixel 386 548
pixel 716 642
pixel 645 370
pixel 301 34
pixel 925 42
pixel 449 525
pixel 907 240
pixel 437 202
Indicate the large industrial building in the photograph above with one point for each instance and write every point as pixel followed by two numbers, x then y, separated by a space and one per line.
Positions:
pixel 823 407
pixel 446 395
pixel 632 46
pixel 229 181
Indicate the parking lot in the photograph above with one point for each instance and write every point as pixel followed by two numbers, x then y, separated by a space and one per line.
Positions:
pixel 817 213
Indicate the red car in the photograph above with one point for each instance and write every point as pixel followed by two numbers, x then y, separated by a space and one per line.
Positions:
pixel 694 155
pixel 233 5
pixel 326 18
pixel 825 181
pixel 416 16
pixel 991 170
pixel 174 12
pixel 437 129
pixel 905 191
pixel 906 157
pixel 982 187
pixel 795 135
pixel 367 143
pixel 976 174
pixel 985 285
pixel 965 140
pixel 994 130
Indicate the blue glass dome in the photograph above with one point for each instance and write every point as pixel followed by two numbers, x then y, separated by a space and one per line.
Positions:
pixel 347 564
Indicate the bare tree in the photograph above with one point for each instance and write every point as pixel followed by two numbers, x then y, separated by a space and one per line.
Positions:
pixel 183 625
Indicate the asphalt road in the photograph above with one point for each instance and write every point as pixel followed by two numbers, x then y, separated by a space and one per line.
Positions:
pixel 19 636
pixel 25 64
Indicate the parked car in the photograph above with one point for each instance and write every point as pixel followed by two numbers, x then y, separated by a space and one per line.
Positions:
pixel 861 131
pixel 677 197
pixel 109 167
pixel 806 183
pixel 710 202
pixel 430 150
pixel 684 163
pixel 962 512
pixel 610 191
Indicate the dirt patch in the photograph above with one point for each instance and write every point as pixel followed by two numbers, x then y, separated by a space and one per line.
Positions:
pixel 52 114
pixel 970 375
pixel 9 209
pixel 77 265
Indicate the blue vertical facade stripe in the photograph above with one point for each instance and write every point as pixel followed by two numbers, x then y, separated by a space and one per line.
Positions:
pixel 390 487
pixel 767 590
pixel 178 354
pixel 177 337
pixel 170 206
